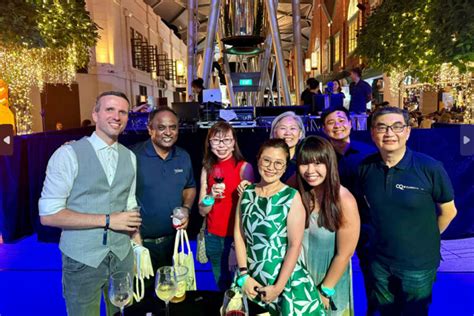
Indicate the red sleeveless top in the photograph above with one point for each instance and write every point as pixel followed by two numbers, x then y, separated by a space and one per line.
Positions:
pixel 220 220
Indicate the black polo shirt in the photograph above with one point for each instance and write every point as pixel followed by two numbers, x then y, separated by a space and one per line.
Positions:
pixel 160 185
pixel 348 163
pixel 401 205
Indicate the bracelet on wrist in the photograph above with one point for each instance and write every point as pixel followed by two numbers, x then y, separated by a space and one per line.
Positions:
pixel 241 280
pixel 208 200
pixel 326 291
pixel 243 269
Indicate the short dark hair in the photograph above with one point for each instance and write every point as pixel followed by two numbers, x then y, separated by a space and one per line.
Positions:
pixel 161 109
pixel 313 84
pixel 106 93
pixel 198 83
pixel 326 113
pixel 357 71
pixel 309 80
pixel 390 110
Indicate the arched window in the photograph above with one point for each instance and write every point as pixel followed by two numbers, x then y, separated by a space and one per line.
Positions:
pixel 353 26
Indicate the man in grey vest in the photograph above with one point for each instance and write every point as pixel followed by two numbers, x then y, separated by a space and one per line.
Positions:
pixel 89 191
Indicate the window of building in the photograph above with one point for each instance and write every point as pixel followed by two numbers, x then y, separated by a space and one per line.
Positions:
pixel 143 54
pixel 337 48
pixel 352 15
pixel 352 35
pixel 327 56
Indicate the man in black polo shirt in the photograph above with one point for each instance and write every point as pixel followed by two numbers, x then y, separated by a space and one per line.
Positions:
pixel 360 91
pixel 165 180
pixel 410 202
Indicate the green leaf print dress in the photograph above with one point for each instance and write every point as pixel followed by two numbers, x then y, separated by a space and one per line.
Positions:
pixel 264 224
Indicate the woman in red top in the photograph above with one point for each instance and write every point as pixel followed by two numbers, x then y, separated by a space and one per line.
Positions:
pixel 223 169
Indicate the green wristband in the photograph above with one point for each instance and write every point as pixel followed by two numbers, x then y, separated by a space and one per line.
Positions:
pixel 208 200
pixel 241 280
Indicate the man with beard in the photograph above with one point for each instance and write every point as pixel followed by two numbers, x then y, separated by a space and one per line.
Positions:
pixel 164 181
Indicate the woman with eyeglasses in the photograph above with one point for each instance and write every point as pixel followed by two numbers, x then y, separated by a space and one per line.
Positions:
pixel 223 169
pixel 332 224
pixel 268 239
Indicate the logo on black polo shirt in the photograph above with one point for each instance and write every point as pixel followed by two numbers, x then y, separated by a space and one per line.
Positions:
pixel 404 187
pixel 176 171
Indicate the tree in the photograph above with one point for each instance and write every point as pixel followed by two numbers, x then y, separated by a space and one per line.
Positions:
pixel 416 37
pixel 42 41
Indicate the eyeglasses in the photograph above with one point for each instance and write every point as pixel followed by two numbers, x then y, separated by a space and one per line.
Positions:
pixel 277 164
pixel 396 128
pixel 217 141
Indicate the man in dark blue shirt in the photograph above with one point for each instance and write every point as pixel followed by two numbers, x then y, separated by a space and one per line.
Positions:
pixel 360 91
pixel 337 127
pixel 164 181
pixel 409 203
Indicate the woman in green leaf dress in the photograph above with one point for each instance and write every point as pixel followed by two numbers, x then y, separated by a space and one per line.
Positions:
pixel 268 236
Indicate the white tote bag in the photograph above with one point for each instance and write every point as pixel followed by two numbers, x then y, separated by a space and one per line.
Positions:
pixel 183 256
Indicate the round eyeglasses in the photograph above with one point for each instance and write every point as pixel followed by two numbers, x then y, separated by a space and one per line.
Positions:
pixel 277 164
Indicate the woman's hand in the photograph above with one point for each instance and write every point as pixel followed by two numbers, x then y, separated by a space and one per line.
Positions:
pixel 249 287
pixel 324 300
pixel 242 185
pixel 217 190
pixel 269 293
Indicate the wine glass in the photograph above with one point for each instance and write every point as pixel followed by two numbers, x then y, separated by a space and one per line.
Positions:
pixel 165 285
pixel 120 289
pixel 235 303
pixel 218 175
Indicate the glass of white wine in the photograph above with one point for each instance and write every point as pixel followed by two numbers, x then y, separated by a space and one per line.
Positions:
pixel 120 289
pixel 166 285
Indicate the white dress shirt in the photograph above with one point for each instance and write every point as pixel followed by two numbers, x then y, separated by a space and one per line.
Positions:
pixel 63 168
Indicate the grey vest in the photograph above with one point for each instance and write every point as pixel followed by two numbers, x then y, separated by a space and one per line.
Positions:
pixel 92 194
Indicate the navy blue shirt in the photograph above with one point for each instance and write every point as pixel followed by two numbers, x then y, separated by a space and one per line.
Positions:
pixel 401 205
pixel 160 185
pixel 360 93
pixel 348 163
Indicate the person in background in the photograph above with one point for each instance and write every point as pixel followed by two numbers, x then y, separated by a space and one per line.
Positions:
pixel 409 203
pixel 223 169
pixel 268 238
pixel 86 123
pixel 332 222
pixel 360 91
pixel 89 192
pixel 289 127
pixel 337 88
pixel 59 126
pixel 165 180
pixel 312 89
pixel 197 86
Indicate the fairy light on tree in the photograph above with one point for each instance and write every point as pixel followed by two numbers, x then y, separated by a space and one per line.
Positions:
pixel 42 41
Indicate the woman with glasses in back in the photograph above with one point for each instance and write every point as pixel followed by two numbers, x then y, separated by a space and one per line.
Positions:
pixel 332 224
pixel 223 169
pixel 268 236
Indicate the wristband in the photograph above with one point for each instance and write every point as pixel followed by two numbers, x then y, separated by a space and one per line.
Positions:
pixel 208 200
pixel 107 221
pixel 241 280
pixel 326 291
pixel 106 228
pixel 243 269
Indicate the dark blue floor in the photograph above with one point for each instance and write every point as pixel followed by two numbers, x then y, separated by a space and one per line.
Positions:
pixel 30 283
